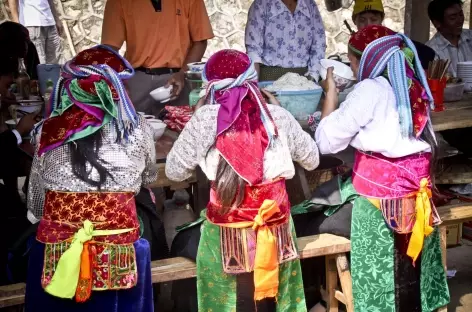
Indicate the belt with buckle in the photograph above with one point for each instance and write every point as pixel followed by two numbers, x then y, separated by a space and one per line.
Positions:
pixel 158 71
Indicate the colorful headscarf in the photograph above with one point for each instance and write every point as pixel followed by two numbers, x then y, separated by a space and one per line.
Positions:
pixel 245 127
pixel 88 95
pixel 393 55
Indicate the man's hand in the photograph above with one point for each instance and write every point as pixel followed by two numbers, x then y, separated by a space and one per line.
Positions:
pixel 26 124
pixel 14 10
pixel 331 94
pixel 59 28
pixel 177 81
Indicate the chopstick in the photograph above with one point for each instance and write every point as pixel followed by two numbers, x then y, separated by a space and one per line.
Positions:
pixel 348 27
pixel 438 68
pixel 446 66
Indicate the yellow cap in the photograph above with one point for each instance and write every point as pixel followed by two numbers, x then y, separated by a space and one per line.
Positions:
pixel 367 5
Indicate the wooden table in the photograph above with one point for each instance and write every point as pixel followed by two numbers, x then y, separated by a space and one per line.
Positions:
pixel 163 147
pixel 456 115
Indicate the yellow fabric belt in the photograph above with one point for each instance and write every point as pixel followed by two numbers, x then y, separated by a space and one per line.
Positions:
pixel 422 226
pixel 64 281
pixel 266 263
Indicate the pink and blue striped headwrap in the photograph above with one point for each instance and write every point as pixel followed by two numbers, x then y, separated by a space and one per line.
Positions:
pixel 393 55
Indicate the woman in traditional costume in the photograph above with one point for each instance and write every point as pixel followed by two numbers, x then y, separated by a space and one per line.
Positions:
pixel 396 261
pixel 92 157
pixel 247 256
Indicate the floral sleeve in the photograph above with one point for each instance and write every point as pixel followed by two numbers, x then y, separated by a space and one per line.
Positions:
pixel 314 121
pixel 255 31
pixel 318 45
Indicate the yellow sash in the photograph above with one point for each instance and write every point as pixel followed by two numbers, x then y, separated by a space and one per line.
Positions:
pixel 64 281
pixel 266 263
pixel 421 228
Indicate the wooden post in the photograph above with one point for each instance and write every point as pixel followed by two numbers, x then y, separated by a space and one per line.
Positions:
pixel 417 20
pixel 331 283
pixel 346 280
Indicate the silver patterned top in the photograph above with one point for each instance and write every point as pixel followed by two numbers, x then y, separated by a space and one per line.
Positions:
pixel 195 147
pixel 130 164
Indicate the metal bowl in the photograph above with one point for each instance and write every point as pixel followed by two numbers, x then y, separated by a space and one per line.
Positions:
pixel 189 75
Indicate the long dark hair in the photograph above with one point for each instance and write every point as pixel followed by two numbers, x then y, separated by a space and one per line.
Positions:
pixel 229 186
pixel 16 37
pixel 86 151
pixel 429 137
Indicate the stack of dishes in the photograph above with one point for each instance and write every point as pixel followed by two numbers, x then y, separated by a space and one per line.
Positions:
pixel 158 126
pixel 464 71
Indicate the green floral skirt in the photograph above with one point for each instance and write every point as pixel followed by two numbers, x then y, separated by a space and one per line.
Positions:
pixel 383 277
pixel 221 292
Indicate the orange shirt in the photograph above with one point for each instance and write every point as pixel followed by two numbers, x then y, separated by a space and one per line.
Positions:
pixel 155 39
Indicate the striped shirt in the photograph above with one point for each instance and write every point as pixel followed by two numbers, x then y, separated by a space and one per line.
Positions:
pixel 445 50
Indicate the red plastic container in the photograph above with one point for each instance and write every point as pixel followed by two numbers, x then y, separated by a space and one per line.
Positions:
pixel 437 87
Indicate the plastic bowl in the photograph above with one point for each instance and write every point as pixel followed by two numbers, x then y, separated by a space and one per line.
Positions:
pixel 301 104
pixel 342 74
pixel 30 108
pixel 11 124
pixel 161 94
pixel 158 128
pixel 196 67
pixel 454 92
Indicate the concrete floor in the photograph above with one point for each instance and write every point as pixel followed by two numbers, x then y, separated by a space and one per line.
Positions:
pixel 460 286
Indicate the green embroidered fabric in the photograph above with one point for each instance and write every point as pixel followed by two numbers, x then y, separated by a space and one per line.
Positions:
pixel 372 264
pixel 217 290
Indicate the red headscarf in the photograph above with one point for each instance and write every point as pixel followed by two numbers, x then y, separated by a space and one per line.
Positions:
pixel 242 136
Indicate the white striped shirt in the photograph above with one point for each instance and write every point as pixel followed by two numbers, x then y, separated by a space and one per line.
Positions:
pixel 445 50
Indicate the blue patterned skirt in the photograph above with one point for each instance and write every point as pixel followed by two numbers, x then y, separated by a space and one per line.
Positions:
pixel 136 299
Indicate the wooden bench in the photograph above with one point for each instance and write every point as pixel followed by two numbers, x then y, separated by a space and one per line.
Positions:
pixel 334 248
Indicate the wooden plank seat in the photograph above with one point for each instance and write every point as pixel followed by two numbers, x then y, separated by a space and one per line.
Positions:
pixel 334 248
pixel 181 268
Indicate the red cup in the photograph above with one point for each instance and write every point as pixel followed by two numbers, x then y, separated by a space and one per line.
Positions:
pixel 437 87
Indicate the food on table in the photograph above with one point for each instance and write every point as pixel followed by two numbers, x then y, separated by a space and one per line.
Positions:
pixel 451 79
pixel 176 117
pixel 296 94
pixel 292 82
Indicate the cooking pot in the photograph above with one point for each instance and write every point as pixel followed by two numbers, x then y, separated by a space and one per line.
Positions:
pixel 333 5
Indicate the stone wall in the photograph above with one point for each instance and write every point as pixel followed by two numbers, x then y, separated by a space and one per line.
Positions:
pixel 83 18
